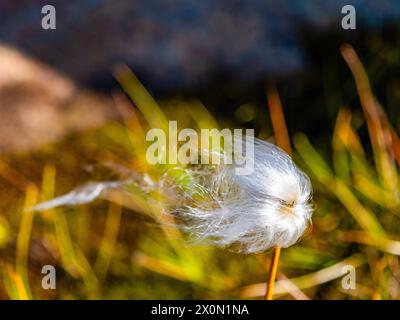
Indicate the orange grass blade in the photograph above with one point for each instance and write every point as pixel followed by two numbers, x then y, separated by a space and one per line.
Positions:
pixel 283 141
pixel 377 127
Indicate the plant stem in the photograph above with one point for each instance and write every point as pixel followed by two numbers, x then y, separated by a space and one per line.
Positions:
pixel 272 273
pixel 282 140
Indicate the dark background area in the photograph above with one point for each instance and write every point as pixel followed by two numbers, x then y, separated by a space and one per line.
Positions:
pixel 222 52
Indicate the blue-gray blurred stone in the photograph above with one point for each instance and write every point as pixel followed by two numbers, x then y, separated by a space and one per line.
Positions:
pixel 173 43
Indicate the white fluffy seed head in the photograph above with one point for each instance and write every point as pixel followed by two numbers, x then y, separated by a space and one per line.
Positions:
pixel 247 213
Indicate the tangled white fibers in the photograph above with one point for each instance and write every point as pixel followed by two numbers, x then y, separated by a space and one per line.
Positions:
pixel 271 206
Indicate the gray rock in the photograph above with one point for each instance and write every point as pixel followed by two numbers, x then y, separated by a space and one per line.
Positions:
pixel 173 43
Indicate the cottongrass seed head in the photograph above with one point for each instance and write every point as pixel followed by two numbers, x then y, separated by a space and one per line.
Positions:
pixel 250 213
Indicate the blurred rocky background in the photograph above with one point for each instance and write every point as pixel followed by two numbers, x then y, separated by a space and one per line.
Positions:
pixel 38 105
pixel 222 52
pixel 174 44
